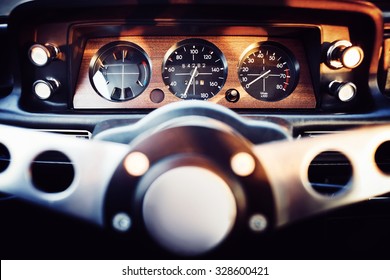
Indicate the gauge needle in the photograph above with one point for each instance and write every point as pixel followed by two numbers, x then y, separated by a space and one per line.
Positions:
pixel 191 79
pixel 259 77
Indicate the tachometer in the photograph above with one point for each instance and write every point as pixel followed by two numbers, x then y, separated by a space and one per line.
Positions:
pixel 120 71
pixel 194 69
pixel 268 71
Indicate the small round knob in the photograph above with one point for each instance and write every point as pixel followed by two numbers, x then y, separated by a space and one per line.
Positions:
pixel 40 55
pixel 232 95
pixel 343 54
pixel 45 88
pixel 344 91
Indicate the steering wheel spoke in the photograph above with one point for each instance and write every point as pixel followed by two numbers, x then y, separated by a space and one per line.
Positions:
pixel 199 177
pixel 92 162
pixel 287 167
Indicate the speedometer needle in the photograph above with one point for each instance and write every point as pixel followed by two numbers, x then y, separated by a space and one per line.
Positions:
pixel 191 79
pixel 259 77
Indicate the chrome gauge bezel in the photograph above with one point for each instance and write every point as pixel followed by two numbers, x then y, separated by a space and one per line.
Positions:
pixel 140 56
pixel 182 87
pixel 288 75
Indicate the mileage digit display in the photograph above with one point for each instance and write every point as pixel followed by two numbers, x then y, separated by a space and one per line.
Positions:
pixel 268 71
pixel 194 69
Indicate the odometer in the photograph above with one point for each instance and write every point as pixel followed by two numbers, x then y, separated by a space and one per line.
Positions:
pixel 268 71
pixel 194 69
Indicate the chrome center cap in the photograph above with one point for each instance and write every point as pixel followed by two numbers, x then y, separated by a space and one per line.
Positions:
pixel 189 210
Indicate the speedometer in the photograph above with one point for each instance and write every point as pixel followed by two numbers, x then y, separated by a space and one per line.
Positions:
pixel 268 71
pixel 194 69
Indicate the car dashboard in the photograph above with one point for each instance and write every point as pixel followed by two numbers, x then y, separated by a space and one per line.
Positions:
pixel 75 45
pixel 82 69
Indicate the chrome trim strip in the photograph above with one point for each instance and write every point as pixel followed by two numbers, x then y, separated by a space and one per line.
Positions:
pixel 69 132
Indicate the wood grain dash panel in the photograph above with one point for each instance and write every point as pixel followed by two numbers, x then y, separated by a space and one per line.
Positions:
pixel 85 96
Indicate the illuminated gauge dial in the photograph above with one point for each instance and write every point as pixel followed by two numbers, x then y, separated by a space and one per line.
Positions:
pixel 120 71
pixel 268 71
pixel 194 69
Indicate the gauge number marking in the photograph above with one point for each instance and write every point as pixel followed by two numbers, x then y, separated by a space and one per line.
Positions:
pixel 195 69
pixel 268 71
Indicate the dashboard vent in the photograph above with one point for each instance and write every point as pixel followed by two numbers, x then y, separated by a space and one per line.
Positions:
pixel 5 158
pixel 383 72
pixel 329 173
pixel 6 77
pixel 52 172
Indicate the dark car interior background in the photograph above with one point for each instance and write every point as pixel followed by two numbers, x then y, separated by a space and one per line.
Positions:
pixel 118 118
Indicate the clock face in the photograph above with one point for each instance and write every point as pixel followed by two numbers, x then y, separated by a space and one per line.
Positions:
pixel 120 71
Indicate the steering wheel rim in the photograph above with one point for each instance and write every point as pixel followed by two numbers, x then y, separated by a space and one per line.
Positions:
pixel 281 167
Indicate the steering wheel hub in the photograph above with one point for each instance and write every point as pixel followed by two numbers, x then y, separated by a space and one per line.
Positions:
pixel 189 210
pixel 190 199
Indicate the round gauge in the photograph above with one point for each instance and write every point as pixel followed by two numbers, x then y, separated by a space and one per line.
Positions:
pixel 268 71
pixel 120 71
pixel 194 69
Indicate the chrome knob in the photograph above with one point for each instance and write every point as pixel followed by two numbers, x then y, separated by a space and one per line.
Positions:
pixel 41 55
pixel 343 54
pixel 344 91
pixel 45 88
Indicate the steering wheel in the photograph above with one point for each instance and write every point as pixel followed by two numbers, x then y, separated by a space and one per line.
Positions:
pixel 191 176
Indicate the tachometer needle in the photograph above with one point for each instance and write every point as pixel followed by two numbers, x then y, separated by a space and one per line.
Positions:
pixel 259 77
pixel 191 79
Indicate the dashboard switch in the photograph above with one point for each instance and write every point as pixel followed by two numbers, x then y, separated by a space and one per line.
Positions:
pixel 45 88
pixel 344 91
pixel 343 54
pixel 41 55
pixel 232 95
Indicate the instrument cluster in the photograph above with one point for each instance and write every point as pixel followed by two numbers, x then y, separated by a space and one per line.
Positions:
pixel 133 60
pixel 235 71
